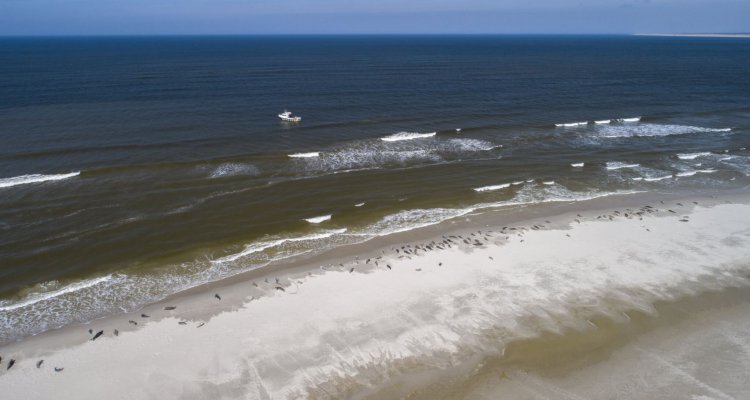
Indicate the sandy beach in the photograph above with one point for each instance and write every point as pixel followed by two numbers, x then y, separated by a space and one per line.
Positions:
pixel 633 297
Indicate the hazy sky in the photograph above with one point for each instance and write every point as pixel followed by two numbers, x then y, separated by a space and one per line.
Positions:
pixel 84 17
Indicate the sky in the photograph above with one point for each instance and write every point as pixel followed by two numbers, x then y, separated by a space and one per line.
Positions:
pixel 147 17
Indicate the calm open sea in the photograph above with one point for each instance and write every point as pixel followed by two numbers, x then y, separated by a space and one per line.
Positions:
pixel 135 167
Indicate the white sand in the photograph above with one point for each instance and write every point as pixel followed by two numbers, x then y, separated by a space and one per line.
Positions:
pixel 346 335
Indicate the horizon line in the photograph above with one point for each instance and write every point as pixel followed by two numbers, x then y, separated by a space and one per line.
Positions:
pixel 712 34
pixel 665 34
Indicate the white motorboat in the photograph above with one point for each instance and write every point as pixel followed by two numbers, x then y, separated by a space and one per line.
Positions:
pixel 288 117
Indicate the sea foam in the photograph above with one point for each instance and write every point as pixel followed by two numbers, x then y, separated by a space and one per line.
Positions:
pixel 371 154
pixel 491 188
pixel 613 165
pixel 692 156
pixel 657 178
pixel 396 137
pixel 73 287
pixel 699 171
pixel 233 169
pixel 571 124
pixel 34 178
pixel 632 119
pixel 305 155
pixel 651 130
pixel 317 220
pixel 264 245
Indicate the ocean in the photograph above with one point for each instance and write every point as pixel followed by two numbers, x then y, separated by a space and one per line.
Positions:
pixel 132 168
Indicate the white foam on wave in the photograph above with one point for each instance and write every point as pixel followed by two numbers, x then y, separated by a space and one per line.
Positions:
pixel 632 119
pixel 471 145
pixel 532 194
pixel 735 162
pixel 603 121
pixel 571 124
pixel 234 169
pixel 37 297
pixel 305 155
pixel 548 182
pixel 652 130
pixel 692 156
pixel 577 165
pixel 614 165
pixel 34 178
pixel 260 246
pixel 396 137
pixel 699 171
pixel 373 154
pixel 516 183
pixel 492 187
pixel 657 178
pixel 359 204
pixel 407 220
pixel 317 220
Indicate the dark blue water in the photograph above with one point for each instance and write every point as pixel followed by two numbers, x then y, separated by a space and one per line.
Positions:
pixel 175 153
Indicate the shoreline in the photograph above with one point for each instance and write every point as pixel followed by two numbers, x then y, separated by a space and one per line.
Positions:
pixel 299 266
pixel 197 305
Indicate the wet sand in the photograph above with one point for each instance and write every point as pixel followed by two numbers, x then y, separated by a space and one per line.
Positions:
pixel 557 303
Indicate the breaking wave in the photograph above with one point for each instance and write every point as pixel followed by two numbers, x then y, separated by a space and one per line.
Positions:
pixel 374 154
pixel 305 155
pixel 396 137
pixel 260 246
pixel 34 178
pixel 649 130
pixel 34 298
pixel 571 124
pixel 598 122
pixel 234 169
pixel 317 220
pixel 491 188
